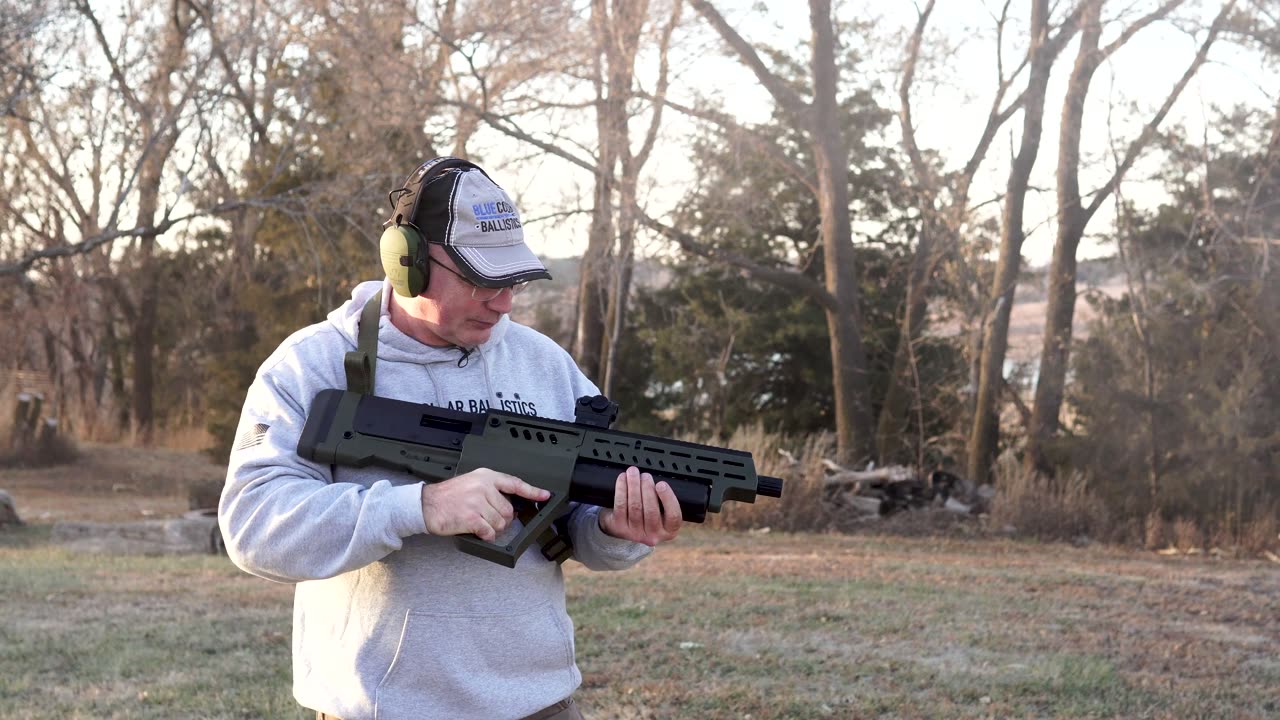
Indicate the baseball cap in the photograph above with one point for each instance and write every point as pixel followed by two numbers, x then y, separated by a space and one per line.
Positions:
pixel 473 218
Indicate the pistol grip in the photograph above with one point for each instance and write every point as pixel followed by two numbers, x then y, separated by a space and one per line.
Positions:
pixel 507 555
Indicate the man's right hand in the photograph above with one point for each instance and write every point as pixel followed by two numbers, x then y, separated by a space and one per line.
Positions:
pixel 474 502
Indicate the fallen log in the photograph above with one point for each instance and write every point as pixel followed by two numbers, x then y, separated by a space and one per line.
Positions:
pixel 889 473
pixel 893 488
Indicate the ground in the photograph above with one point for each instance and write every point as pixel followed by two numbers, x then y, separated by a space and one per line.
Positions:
pixel 110 484
pixel 717 625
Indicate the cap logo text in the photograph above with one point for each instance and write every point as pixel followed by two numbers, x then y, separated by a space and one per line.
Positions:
pixel 495 216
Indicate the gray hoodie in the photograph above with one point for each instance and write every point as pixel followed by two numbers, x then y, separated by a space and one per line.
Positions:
pixel 390 622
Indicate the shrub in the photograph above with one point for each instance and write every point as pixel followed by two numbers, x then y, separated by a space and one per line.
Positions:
pixel 1049 509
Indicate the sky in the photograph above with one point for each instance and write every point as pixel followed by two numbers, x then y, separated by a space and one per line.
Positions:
pixel 950 106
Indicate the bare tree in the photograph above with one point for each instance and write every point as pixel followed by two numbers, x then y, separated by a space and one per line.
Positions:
pixel 155 105
pixel 605 273
pixel 1074 215
pixel 613 63
pixel 18 68
pixel 248 42
pixel 819 121
pixel 943 201
pixel 94 150
pixel 542 88
pixel 985 431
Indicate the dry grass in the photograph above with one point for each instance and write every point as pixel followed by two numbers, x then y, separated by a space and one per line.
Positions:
pixel 1155 532
pixel 719 625
pixel 1187 535
pixel 1258 536
pixel 802 505
pixel 188 437
pixel 1045 508
pixel 109 483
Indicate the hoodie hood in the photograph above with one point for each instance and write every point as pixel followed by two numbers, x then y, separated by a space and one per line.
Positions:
pixel 393 344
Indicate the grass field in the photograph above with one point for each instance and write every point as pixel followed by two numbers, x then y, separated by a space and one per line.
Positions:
pixel 716 625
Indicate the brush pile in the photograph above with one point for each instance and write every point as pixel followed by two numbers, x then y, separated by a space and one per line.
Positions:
pixel 880 492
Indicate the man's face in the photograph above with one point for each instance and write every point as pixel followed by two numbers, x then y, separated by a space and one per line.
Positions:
pixel 449 312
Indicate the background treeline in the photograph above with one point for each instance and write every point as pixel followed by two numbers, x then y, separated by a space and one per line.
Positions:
pixel 183 183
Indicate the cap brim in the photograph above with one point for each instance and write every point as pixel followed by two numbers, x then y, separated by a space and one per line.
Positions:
pixel 498 266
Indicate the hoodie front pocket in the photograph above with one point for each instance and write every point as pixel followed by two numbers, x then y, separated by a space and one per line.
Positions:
pixel 478 665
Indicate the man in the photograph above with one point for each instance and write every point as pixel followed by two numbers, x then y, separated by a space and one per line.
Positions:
pixel 390 619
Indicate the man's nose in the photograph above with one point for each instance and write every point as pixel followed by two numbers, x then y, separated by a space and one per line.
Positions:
pixel 503 302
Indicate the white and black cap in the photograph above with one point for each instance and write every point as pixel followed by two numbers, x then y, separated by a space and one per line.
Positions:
pixel 453 203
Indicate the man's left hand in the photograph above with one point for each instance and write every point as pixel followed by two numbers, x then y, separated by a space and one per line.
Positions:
pixel 643 511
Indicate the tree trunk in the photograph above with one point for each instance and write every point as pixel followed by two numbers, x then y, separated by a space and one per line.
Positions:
pixel 940 230
pixel 854 427
pixel 593 286
pixel 588 335
pixel 119 391
pixel 891 443
pixel 617 30
pixel 1074 216
pixel 161 136
pixel 820 122
pixel 621 42
pixel 1071 224
pixel 625 262
pixel 985 436
pixel 144 320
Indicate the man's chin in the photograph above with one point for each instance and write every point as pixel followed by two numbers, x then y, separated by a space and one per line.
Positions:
pixel 474 335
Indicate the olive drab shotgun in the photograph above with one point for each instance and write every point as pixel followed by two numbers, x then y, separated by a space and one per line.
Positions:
pixel 577 462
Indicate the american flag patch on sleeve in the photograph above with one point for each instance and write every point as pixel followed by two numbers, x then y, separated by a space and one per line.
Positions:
pixel 252 437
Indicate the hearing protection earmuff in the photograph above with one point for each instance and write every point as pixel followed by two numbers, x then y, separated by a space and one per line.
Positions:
pixel 403 246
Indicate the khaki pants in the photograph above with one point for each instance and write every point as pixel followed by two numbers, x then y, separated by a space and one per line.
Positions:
pixel 563 710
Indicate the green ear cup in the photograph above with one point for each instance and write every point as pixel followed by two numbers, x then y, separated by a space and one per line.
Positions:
pixel 403 249
pixel 399 247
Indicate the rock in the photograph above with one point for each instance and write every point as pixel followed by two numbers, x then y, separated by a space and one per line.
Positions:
pixel 194 533
pixel 204 495
pixel 8 510
pixel 865 505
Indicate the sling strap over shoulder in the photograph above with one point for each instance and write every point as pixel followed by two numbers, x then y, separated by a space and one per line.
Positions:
pixel 361 363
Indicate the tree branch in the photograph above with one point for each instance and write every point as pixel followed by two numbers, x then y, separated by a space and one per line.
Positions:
pixel 660 92
pixel 782 93
pixel 784 278
pixel 219 49
pixel 107 236
pixel 1142 22
pixel 83 7
pixel 923 171
pixel 505 126
pixel 766 147
pixel 1149 130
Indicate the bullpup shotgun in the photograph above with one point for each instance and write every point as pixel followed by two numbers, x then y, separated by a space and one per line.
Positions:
pixel 577 462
